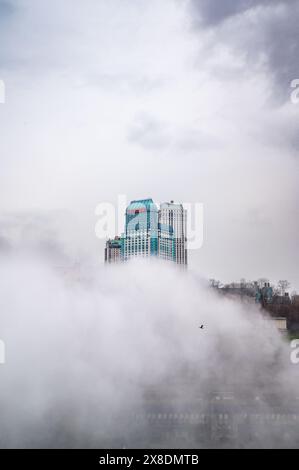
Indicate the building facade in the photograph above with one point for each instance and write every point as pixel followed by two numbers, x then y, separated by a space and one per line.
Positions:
pixel 113 250
pixel 172 240
pixel 141 229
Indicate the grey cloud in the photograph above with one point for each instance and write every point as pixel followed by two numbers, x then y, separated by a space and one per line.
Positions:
pixel 6 9
pixel 5 246
pixel 36 233
pixel 149 132
pixel 213 12
pixel 124 83
pixel 281 43
pixel 281 131
pixel 271 33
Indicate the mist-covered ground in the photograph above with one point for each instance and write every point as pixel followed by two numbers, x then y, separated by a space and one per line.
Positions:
pixel 89 349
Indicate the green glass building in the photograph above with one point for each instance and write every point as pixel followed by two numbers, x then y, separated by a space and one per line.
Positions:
pixel 141 229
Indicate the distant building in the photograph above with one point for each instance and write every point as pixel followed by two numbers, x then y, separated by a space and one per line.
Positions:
pixel 172 243
pixel 113 250
pixel 150 231
pixel 236 289
pixel 281 324
pixel 282 299
pixel 264 295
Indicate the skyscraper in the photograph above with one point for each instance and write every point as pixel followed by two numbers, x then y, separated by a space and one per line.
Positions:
pixel 141 231
pixel 172 240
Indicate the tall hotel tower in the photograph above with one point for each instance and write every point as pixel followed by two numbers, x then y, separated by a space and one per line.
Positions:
pixel 172 241
pixel 151 232
pixel 141 236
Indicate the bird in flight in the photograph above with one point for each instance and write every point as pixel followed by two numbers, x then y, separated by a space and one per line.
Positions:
pixel 201 327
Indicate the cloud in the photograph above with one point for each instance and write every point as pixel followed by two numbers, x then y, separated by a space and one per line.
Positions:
pixel 48 235
pixel 86 358
pixel 96 92
pixel 265 32
pixel 213 12
pixel 6 9
pixel 149 132
pixel 154 135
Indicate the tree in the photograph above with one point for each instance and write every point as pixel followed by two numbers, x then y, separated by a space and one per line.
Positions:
pixel 293 294
pixel 214 283
pixel 283 285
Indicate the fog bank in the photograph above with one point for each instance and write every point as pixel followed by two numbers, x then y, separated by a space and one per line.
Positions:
pixel 86 348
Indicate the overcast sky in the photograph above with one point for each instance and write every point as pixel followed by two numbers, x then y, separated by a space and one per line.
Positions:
pixel 173 99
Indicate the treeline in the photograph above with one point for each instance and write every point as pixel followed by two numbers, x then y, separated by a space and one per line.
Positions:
pixel 274 298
